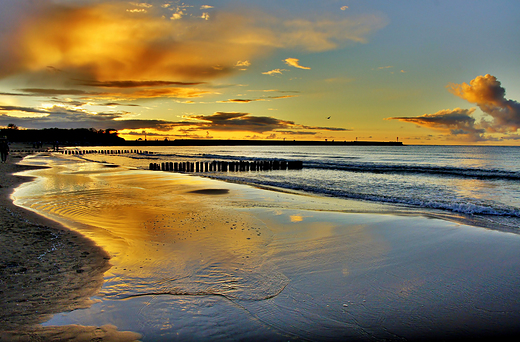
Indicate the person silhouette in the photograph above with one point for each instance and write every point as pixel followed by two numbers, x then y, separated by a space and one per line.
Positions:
pixel 4 149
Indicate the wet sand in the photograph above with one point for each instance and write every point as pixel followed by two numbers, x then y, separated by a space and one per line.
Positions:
pixel 45 269
pixel 197 259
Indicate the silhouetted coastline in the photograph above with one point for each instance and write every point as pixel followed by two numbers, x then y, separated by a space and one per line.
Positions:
pixel 109 137
pixel 234 142
pixel 63 137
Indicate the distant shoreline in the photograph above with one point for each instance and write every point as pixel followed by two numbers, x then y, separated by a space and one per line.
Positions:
pixel 222 142
pixel 91 137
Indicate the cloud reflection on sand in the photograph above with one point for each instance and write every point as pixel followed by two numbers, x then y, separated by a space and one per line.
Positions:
pixel 161 238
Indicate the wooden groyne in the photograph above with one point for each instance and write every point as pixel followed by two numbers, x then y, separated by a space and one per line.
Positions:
pixel 28 150
pixel 203 166
pixel 227 166
pixel 82 152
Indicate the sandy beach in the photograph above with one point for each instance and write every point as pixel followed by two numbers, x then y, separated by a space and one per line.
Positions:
pixel 199 259
pixel 45 269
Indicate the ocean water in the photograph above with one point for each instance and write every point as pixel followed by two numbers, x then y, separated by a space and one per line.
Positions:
pixel 476 184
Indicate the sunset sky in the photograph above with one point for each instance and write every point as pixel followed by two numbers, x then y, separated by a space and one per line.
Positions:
pixel 426 72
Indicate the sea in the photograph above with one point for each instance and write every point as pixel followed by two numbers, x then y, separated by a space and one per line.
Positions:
pixel 478 185
pixel 363 243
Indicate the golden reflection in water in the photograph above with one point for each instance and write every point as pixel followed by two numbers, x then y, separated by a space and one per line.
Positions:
pixel 167 234
pixel 296 218
pixel 161 237
pixel 472 187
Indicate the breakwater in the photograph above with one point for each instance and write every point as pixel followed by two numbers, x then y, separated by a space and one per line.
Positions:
pixel 227 166
pixel 203 166
pixel 81 152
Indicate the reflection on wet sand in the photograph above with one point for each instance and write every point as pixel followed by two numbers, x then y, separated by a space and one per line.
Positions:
pixel 160 239
pixel 45 269
pixel 73 332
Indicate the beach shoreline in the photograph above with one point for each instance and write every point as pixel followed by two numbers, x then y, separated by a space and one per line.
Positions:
pixel 45 269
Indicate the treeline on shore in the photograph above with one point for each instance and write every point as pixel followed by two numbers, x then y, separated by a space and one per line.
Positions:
pixel 67 137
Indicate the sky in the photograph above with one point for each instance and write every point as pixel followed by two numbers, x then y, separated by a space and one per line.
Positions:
pixel 421 72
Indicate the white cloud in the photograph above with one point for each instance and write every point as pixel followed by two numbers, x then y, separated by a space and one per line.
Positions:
pixel 274 72
pixel 141 4
pixel 243 63
pixel 177 15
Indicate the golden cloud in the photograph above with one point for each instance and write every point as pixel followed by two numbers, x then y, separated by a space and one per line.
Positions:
pixel 179 93
pixel 295 62
pixel 501 115
pixel 127 92
pixel 104 42
pixel 487 92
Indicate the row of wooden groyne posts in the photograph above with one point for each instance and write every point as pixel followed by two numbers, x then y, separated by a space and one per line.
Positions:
pixel 225 166
pixel 104 151
pixel 205 166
